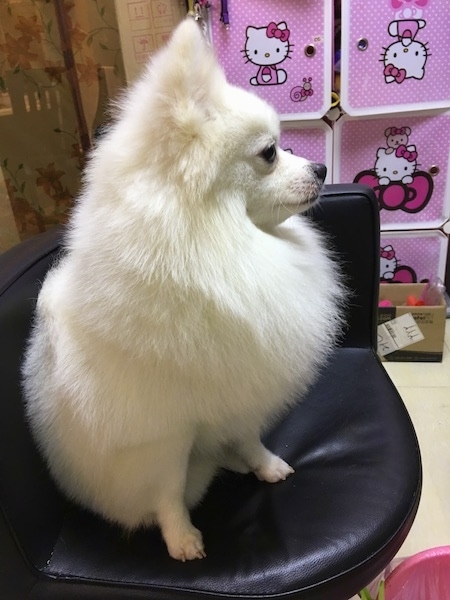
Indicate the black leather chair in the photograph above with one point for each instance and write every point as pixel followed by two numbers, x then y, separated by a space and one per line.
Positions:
pixel 321 535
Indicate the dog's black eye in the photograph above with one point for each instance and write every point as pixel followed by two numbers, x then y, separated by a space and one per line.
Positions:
pixel 269 154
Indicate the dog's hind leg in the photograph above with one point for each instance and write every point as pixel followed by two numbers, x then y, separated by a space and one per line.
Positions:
pixel 148 486
pixel 200 474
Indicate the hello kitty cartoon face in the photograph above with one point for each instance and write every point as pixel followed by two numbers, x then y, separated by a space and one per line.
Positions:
pixel 267 47
pixel 396 166
pixel 395 137
pixel 388 263
pixel 405 58
pixel 405 62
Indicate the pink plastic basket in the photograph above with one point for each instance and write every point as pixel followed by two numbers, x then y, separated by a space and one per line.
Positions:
pixel 424 576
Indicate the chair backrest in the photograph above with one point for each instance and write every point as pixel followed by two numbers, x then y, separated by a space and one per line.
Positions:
pixel 349 214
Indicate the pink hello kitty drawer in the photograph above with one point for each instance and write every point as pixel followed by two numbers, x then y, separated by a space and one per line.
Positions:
pixel 405 159
pixel 395 55
pixel 412 256
pixel 312 140
pixel 280 50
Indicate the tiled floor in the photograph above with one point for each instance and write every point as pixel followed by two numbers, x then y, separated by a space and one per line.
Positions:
pixel 425 389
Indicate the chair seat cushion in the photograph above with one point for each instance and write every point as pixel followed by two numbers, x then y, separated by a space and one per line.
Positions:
pixel 325 531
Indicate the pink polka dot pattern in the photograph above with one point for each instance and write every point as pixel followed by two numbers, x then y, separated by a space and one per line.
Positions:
pixel 366 81
pixel 422 251
pixel 358 139
pixel 306 23
pixel 312 143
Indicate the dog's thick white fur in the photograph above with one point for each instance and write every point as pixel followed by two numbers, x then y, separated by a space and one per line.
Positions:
pixel 183 317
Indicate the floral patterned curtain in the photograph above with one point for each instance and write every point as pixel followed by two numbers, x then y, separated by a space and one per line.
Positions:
pixel 60 61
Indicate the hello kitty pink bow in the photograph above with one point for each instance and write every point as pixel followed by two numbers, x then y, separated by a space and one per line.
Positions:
pixel 274 31
pixel 403 152
pixel 398 131
pixel 396 4
pixel 388 254
pixel 398 74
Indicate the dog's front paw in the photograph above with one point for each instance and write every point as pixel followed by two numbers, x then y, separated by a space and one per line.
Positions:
pixel 188 546
pixel 274 470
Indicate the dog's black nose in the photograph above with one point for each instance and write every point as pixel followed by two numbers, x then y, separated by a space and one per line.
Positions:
pixel 319 170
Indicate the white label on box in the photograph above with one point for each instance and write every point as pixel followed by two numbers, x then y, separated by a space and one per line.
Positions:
pixel 398 333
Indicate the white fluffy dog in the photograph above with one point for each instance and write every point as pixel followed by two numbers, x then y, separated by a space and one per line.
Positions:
pixel 183 317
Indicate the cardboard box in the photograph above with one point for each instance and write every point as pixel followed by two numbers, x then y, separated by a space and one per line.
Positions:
pixel 429 319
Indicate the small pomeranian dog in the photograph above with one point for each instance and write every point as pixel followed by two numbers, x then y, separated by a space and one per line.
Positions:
pixel 184 316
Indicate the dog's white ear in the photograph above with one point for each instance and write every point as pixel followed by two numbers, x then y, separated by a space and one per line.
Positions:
pixel 187 72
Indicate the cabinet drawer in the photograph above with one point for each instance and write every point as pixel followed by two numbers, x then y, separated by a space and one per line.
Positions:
pixel 280 50
pixel 395 55
pixel 404 158
pixel 412 256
